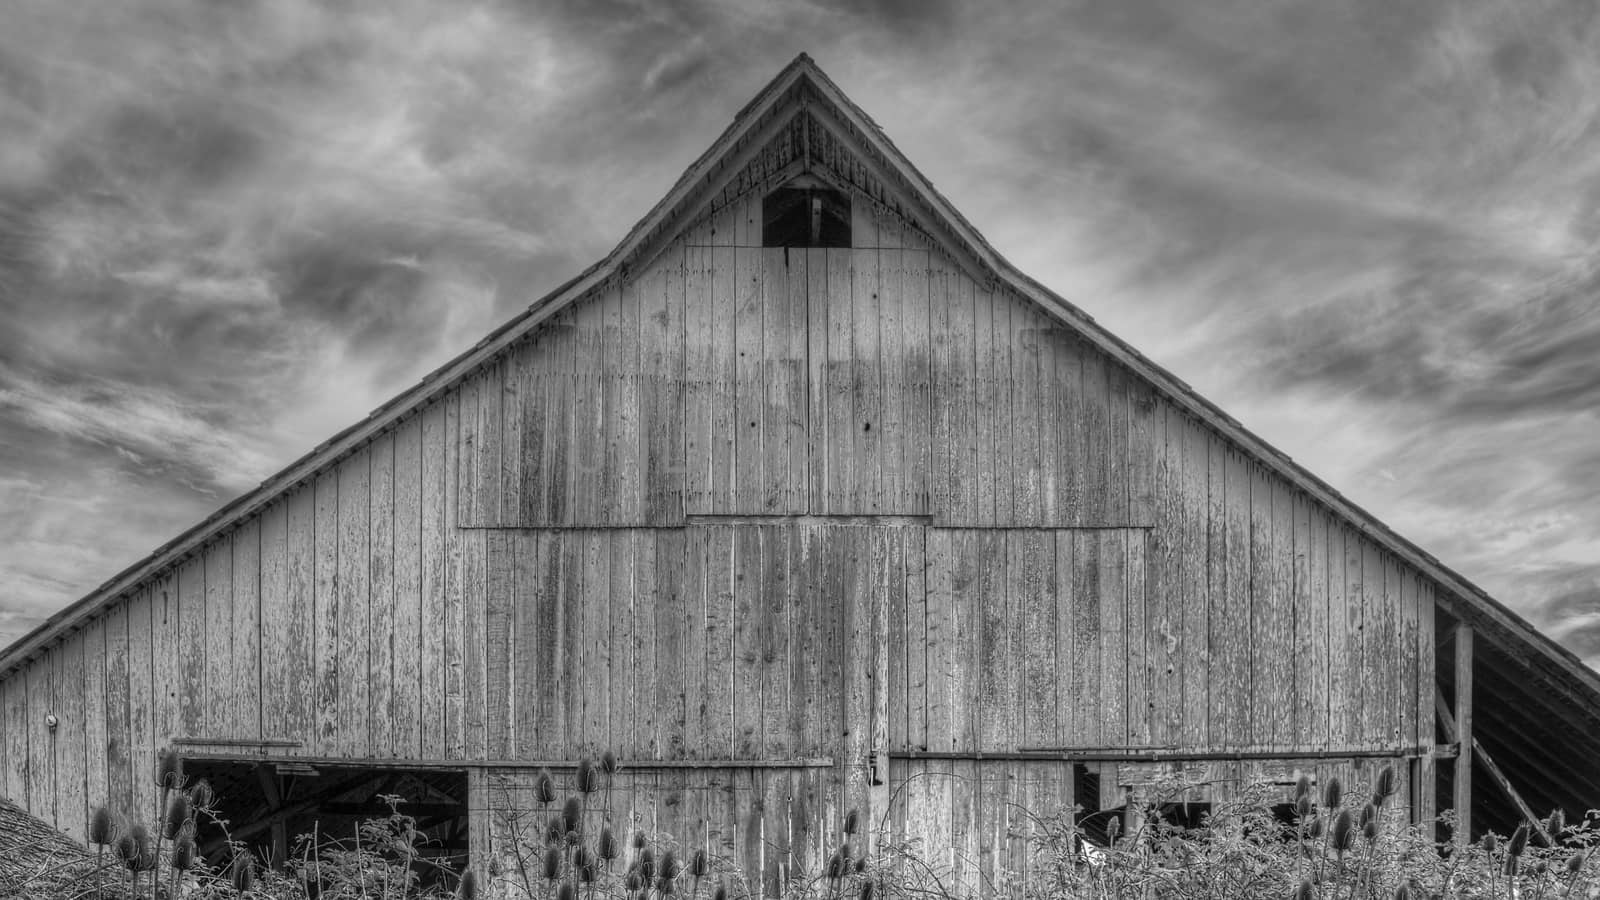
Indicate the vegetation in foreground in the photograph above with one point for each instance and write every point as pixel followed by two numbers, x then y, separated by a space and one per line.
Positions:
pixel 1336 844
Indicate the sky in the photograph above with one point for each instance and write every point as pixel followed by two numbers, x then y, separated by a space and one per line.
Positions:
pixel 1369 230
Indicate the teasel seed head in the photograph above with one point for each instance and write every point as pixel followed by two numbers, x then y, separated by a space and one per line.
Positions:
pixel 647 865
pixel 201 794
pixel 1304 891
pixel 1490 842
pixel 721 893
pixel 169 770
pixel 868 889
pixel 1343 831
pixel 638 840
pixel 1302 806
pixel 102 826
pixel 555 831
pixel 1302 787
pixel 634 882
pixel 468 888
pixel 244 874
pixel 698 866
pixel 608 848
pixel 582 857
pixel 1317 826
pixel 1370 830
pixel 1368 813
pixel 836 866
pixel 1385 787
pixel 1404 891
pixel 588 778
pixel 178 812
pixel 572 815
pixel 126 848
pixel 1574 863
pixel 544 787
pixel 183 854
pixel 1519 840
pixel 567 891
pixel 137 847
pixel 861 865
pixel 608 763
pixel 552 863
pixel 1113 828
pixel 851 821
pixel 1556 824
pixel 669 866
pixel 1333 793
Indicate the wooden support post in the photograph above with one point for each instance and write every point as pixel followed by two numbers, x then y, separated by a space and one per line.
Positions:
pixel 1476 752
pixel 1463 780
pixel 272 790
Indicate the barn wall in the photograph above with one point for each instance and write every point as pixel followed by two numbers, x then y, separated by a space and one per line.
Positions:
pixel 1043 532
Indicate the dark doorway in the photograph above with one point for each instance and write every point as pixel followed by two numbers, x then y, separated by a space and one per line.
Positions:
pixel 300 815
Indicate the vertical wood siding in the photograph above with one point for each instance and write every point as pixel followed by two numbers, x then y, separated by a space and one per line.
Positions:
pixel 533 567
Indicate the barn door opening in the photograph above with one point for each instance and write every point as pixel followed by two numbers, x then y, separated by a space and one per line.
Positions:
pixel 292 814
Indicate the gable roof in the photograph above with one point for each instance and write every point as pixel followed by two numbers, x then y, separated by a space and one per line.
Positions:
pixel 801 89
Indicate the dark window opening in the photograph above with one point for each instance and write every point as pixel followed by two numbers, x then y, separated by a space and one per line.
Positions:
pixel 275 808
pixel 805 217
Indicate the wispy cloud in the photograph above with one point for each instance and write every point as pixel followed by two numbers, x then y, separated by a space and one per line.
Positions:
pixel 1366 228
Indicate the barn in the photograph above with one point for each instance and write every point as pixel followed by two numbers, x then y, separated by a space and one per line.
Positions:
pixel 801 500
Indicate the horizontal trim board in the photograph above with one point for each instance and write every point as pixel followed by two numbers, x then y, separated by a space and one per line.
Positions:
pixel 1087 755
pixel 462 765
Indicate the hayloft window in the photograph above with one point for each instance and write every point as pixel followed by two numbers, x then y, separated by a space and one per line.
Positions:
pixel 805 217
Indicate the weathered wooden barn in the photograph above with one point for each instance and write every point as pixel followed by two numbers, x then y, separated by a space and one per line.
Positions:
pixel 801 499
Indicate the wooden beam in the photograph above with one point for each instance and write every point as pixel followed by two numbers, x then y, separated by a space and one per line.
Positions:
pixel 271 788
pixel 289 812
pixel 1474 751
pixel 1462 728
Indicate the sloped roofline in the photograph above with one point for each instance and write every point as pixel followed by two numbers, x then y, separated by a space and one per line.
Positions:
pixel 690 194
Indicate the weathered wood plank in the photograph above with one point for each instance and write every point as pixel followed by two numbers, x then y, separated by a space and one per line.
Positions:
pixel 1358 599
pixel 919 692
pixel 1138 666
pixel 698 379
pixel 1031 581
pixel 1310 624
pixel 325 614
pixel 1114 657
pixel 41 798
pixel 1118 449
pixel 646 595
pixel 382 564
pixel 724 305
pixel 187 638
pixel 661 295
pixel 244 701
pixel 14 705
pixel 143 610
pixel 213 642
pixel 865 492
pixel 1403 593
pixel 116 685
pixel 1097 447
pixel 351 589
pixel 746 645
pixel 1079 639
pixel 528 619
pixel 1028 451
pixel 890 362
pixel 595 671
pixel 434 570
pixel 1144 435
pixel 718 696
pixel 917 399
pixel 454 583
pixel 71 759
pixel 805 599
pixel 486 464
pixel 1271 609
pixel 774 644
pixel 678 618
pixel 1200 509
pixel 747 388
pixel 499 643
pixel 1230 687
pixel 408 600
